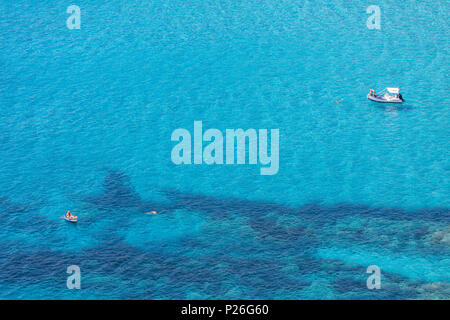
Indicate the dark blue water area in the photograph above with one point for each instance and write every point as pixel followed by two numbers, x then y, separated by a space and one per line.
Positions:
pixel 276 251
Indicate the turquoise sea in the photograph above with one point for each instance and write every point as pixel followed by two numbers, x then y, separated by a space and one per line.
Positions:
pixel 86 118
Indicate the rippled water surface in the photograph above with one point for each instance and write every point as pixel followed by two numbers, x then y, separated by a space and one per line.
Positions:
pixel 86 118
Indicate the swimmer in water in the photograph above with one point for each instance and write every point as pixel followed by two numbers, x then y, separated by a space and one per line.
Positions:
pixel 151 212
pixel 338 101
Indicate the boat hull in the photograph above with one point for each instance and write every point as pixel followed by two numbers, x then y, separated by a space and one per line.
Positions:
pixel 71 220
pixel 382 99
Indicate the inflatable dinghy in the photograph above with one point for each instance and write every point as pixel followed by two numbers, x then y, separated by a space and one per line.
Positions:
pixel 388 95
pixel 73 219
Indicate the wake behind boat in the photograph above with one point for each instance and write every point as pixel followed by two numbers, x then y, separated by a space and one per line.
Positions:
pixel 388 95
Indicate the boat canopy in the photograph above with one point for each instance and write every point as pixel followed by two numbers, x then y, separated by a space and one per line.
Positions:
pixel 393 90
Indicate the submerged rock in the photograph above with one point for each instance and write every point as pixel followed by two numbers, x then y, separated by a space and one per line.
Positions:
pixel 441 236
pixel 434 290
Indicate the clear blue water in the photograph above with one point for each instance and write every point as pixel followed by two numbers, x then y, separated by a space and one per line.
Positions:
pixel 85 123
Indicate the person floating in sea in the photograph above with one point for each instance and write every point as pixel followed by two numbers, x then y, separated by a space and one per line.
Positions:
pixel 336 101
pixel 151 212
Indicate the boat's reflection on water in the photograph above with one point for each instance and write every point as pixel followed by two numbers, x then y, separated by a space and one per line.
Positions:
pixel 395 107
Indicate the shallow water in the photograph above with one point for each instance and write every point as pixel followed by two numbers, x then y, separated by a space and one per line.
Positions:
pixel 86 118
